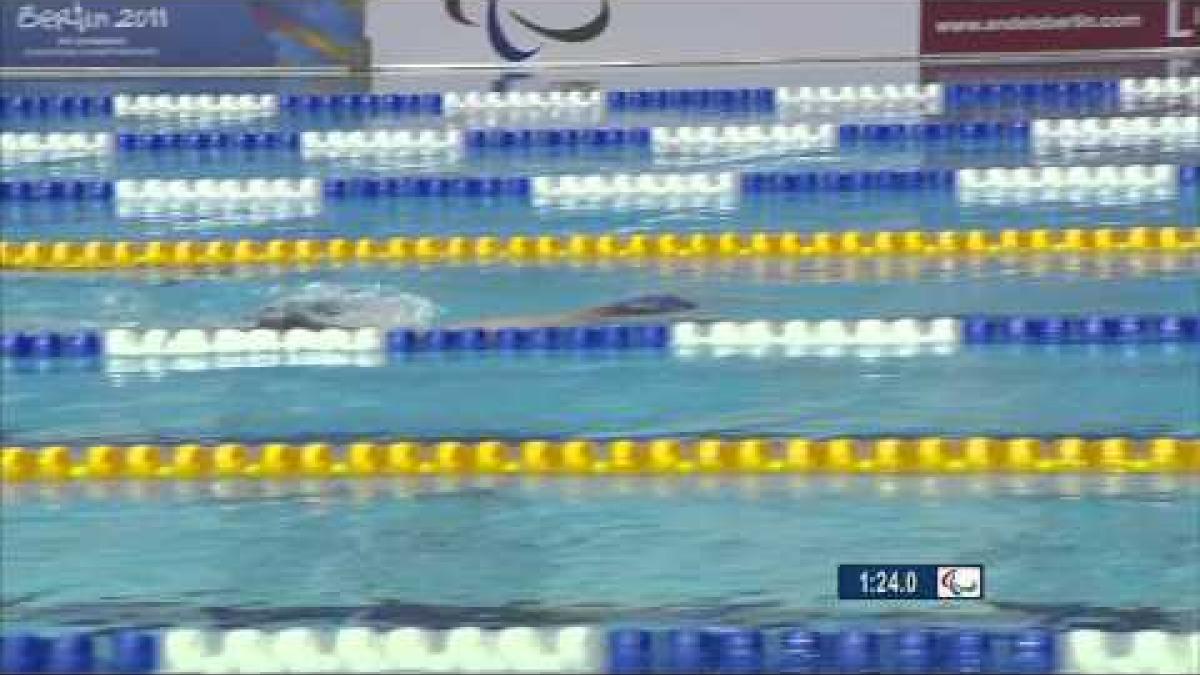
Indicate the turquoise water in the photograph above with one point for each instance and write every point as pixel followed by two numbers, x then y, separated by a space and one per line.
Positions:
pixel 1094 552
pixel 511 555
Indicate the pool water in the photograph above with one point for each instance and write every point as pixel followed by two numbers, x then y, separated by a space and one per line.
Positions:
pixel 1120 553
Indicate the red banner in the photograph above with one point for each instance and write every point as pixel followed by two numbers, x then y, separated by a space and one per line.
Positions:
pixel 963 26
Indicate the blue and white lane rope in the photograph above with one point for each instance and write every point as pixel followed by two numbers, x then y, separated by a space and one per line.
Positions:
pixel 581 649
pixel 1097 95
pixel 452 144
pixel 1018 184
pixel 943 332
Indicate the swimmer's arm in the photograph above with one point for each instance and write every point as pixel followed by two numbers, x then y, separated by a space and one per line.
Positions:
pixel 605 314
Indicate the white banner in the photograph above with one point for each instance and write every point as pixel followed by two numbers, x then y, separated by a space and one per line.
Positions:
pixel 549 32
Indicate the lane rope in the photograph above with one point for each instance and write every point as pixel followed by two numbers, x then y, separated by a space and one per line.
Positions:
pixel 1103 94
pixel 595 248
pixel 581 649
pixel 932 455
pixel 454 144
pixel 588 649
pixel 1020 184
pixel 804 336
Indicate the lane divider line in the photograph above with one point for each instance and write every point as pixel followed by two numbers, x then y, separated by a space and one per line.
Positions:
pixel 594 649
pixel 1000 183
pixel 676 140
pixel 1103 94
pixel 940 455
pixel 594 248
pixel 684 335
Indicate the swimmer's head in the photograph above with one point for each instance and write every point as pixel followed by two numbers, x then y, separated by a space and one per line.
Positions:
pixel 286 316
pixel 645 305
pixel 270 317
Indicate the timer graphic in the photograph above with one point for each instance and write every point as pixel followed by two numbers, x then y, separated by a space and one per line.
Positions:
pixel 910 582
pixel 888 582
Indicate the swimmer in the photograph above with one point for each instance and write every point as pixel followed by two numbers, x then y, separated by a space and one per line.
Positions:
pixel 367 311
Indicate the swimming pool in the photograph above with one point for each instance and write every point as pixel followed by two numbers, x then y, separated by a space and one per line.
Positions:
pixel 1062 552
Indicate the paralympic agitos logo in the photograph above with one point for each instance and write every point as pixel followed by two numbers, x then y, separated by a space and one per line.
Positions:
pixel 505 46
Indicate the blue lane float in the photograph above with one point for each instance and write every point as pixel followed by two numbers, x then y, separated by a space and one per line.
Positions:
pixel 445 187
pixel 57 190
pixel 265 140
pixel 943 332
pixel 984 330
pixel 1092 94
pixel 123 651
pixel 578 138
pixel 427 104
pixel 761 99
pixel 21 105
pixel 84 344
pixel 521 339
pixel 848 181
pixel 1014 133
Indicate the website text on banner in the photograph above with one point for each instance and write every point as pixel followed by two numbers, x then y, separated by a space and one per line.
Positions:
pixel 970 26
pixel 167 33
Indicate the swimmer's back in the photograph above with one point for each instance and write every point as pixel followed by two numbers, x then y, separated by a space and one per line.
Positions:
pixel 362 312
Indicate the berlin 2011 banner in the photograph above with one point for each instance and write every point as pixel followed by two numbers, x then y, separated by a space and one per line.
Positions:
pixel 187 33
